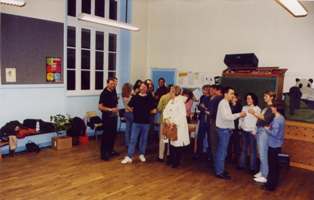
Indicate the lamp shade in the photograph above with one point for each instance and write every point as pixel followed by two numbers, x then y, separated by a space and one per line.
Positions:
pixel 294 7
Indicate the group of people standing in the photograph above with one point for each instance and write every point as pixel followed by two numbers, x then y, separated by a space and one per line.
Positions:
pixel 246 130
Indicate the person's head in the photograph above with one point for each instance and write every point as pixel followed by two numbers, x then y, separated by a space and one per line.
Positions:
pixel 150 85
pixel 143 88
pixel 277 108
pixel 188 94
pixel 269 97
pixel 111 85
pixel 169 87
pixel 172 90
pixel 205 90
pixel 115 81
pixel 216 90
pixel 137 85
pixel 126 90
pixel 228 93
pixel 177 90
pixel 161 82
pixel 235 99
pixel 211 91
pixel 251 99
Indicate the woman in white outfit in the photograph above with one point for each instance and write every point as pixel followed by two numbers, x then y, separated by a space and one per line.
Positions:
pixel 175 113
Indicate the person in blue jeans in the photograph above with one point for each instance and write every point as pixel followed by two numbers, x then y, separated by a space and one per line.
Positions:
pixel 264 120
pixel 248 133
pixel 128 114
pixel 142 106
pixel 224 123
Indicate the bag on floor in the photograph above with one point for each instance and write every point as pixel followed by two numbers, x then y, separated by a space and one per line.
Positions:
pixel 32 147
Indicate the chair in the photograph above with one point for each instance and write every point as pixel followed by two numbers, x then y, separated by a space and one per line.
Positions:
pixel 122 118
pixel 97 127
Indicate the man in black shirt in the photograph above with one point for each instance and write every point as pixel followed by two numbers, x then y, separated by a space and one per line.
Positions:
pixel 143 106
pixel 108 106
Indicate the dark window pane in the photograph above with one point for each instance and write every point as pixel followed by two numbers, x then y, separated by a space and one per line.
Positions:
pixel 99 84
pixel 113 10
pixel 112 61
pixel 85 80
pixel 100 8
pixel 112 42
pixel 70 58
pixel 86 38
pixel 71 7
pixel 86 6
pixel 99 40
pixel 71 36
pixel 85 59
pixel 70 79
pixel 111 74
pixel 99 60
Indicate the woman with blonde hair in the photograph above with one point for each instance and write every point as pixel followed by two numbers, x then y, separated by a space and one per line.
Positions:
pixel 175 114
pixel 128 115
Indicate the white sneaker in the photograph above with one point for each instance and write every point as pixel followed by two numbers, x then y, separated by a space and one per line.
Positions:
pixel 126 160
pixel 259 174
pixel 260 179
pixel 142 158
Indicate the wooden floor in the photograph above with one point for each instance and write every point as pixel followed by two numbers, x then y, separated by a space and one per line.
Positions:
pixel 78 173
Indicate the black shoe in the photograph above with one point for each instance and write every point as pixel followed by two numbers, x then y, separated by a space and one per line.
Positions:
pixel 267 188
pixel 105 158
pixel 160 160
pixel 225 173
pixel 223 176
pixel 114 153
pixel 175 165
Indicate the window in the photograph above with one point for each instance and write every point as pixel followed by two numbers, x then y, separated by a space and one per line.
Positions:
pixel 72 8
pixel 100 8
pixel 113 10
pixel 71 61
pixel 86 6
pixel 92 50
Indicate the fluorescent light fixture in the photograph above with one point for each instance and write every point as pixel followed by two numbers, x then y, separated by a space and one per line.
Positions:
pixel 294 7
pixel 107 22
pixel 13 2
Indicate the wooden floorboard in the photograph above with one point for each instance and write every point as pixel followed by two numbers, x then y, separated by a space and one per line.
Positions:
pixel 78 173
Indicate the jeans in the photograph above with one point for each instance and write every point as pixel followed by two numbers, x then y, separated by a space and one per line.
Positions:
pixel 222 147
pixel 128 127
pixel 138 130
pixel 262 145
pixel 203 129
pixel 248 146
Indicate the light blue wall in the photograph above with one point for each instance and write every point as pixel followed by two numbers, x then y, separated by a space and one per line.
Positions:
pixel 31 101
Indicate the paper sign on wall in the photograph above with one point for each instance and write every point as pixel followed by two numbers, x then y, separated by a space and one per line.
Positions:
pixel 10 75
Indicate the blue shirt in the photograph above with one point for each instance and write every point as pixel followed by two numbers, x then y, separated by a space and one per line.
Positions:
pixel 276 132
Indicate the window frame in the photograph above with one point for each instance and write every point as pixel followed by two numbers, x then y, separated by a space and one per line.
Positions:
pixel 79 25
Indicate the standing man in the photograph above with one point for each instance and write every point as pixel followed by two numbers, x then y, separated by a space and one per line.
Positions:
pixel 108 103
pixel 162 89
pixel 225 124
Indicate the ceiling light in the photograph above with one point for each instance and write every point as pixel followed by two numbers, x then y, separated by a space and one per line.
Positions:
pixel 13 2
pixel 107 22
pixel 294 7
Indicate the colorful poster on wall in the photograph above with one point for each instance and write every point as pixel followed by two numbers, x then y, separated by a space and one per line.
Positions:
pixel 53 69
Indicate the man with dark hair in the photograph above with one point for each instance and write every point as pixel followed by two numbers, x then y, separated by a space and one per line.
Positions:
pixel 162 89
pixel 108 103
pixel 225 123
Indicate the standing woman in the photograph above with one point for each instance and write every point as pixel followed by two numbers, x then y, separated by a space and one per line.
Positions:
pixel 248 133
pixel 175 113
pixel 128 115
pixel 276 137
pixel 263 121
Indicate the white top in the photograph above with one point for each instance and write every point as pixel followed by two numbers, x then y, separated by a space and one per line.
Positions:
pixel 225 118
pixel 175 112
pixel 248 123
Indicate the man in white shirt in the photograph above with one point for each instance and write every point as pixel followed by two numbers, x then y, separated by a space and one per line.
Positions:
pixel 224 123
